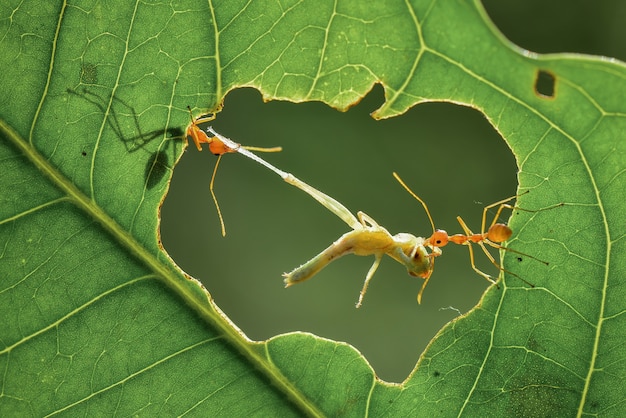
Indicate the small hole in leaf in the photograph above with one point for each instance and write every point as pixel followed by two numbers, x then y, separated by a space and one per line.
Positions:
pixel 545 84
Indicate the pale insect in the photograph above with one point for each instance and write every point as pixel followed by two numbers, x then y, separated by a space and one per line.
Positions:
pixel 369 238
pixel 494 236
pixel 218 146
pixel 366 237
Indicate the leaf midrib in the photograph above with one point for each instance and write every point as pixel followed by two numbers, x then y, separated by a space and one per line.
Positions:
pixel 183 288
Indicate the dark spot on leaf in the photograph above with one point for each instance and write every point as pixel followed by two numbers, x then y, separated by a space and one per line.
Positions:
pixel 545 83
pixel 174 133
pixel 88 73
pixel 156 168
pixel 535 346
pixel 84 154
pixel 436 373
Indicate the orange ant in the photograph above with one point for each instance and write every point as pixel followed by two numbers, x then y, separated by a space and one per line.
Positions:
pixel 494 236
pixel 218 145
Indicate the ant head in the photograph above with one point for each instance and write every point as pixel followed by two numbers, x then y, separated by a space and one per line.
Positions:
pixel 439 238
pixel 419 262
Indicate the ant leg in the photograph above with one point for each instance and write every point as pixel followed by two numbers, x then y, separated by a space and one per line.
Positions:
pixel 205 119
pixel 503 204
pixel 489 256
pixel 217 206
pixel 500 247
pixel 499 266
pixel 468 232
pixel 262 149
pixel 194 130
pixel 416 197
pixel 419 295
pixel 476 269
pixel 328 202
pixel 502 233
pixel 366 220
pixel 369 276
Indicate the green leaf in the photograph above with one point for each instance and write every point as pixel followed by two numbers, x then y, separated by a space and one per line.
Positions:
pixel 99 321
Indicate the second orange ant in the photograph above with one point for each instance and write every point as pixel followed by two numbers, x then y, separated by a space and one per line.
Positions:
pixel 218 146
pixel 494 236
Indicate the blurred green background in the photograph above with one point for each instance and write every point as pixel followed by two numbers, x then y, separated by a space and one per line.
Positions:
pixel 450 155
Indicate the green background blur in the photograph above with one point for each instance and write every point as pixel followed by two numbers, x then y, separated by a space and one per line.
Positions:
pixel 449 155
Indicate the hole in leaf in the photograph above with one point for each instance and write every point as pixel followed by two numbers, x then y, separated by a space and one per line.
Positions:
pixel 273 227
pixel 545 83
